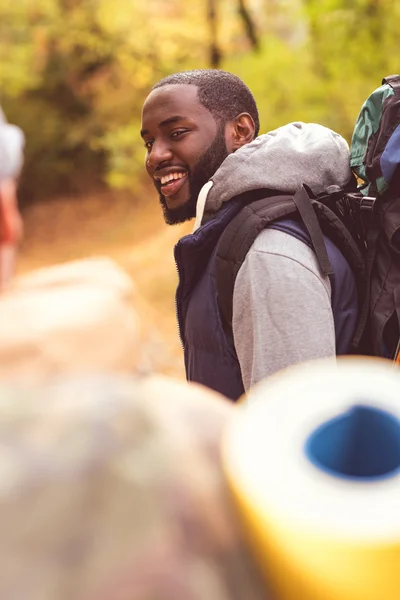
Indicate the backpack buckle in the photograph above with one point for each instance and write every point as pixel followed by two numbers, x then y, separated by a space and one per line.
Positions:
pixel 367 204
pixel 367 212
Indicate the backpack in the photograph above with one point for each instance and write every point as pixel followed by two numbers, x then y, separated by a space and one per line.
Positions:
pixel 363 220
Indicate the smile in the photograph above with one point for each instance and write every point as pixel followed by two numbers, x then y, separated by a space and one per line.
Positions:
pixel 171 184
pixel 166 178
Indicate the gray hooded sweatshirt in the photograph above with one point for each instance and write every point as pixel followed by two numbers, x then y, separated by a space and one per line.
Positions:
pixel 282 311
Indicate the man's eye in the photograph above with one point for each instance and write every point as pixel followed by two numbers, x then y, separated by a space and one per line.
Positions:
pixel 148 145
pixel 178 133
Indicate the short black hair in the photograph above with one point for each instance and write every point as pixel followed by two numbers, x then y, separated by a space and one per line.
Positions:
pixel 225 95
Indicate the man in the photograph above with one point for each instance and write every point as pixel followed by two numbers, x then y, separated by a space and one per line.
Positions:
pixel 200 130
pixel 11 158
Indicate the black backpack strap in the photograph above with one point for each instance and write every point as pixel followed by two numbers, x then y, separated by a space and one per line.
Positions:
pixel 242 231
pixel 304 206
pixel 372 238
pixel 237 240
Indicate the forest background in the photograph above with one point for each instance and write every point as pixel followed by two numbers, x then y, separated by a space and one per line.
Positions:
pixel 74 74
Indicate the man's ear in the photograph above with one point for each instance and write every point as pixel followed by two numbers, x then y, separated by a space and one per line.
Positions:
pixel 239 131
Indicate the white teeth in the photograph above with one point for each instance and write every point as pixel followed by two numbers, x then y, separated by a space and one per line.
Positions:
pixel 171 176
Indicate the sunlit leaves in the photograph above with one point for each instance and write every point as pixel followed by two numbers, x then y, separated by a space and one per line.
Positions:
pixel 74 73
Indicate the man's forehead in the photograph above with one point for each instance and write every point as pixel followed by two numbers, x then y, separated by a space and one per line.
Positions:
pixel 181 99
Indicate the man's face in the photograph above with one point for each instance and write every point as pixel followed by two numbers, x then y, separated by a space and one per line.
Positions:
pixel 185 147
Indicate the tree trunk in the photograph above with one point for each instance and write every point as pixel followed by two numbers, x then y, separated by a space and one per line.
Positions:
pixel 212 18
pixel 249 25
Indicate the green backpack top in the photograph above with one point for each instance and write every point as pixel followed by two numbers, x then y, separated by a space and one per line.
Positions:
pixel 375 146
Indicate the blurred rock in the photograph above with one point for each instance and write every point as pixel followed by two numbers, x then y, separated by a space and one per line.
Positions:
pixel 111 488
pixel 72 317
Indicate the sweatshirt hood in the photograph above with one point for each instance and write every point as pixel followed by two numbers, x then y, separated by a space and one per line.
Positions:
pixel 281 160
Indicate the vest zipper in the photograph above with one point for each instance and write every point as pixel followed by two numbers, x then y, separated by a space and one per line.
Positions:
pixel 178 316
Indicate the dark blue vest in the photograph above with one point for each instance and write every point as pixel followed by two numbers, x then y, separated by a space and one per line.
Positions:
pixel 210 356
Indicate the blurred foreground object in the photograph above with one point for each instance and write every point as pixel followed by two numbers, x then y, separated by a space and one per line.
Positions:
pixel 313 458
pixel 111 489
pixel 73 317
pixel 11 159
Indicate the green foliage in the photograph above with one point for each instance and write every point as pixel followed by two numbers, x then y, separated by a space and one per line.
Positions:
pixel 74 73
pixel 324 64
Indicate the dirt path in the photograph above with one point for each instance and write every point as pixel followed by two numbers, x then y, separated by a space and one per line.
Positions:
pixel 136 237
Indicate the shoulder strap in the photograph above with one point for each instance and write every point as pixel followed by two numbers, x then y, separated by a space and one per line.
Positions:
pixel 306 210
pixel 242 231
pixel 237 240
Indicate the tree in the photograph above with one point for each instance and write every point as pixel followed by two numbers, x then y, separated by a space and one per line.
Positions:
pixel 74 73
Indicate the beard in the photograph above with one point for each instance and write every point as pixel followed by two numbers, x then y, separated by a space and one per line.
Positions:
pixel 207 165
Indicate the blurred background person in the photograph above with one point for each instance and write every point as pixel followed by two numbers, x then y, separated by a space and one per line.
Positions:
pixel 11 159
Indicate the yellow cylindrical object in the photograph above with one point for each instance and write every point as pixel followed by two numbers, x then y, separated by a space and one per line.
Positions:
pixel 322 530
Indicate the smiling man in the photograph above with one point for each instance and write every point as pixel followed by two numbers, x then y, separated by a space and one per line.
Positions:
pixel 200 130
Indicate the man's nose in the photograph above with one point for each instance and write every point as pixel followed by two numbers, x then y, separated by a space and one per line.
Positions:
pixel 160 152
